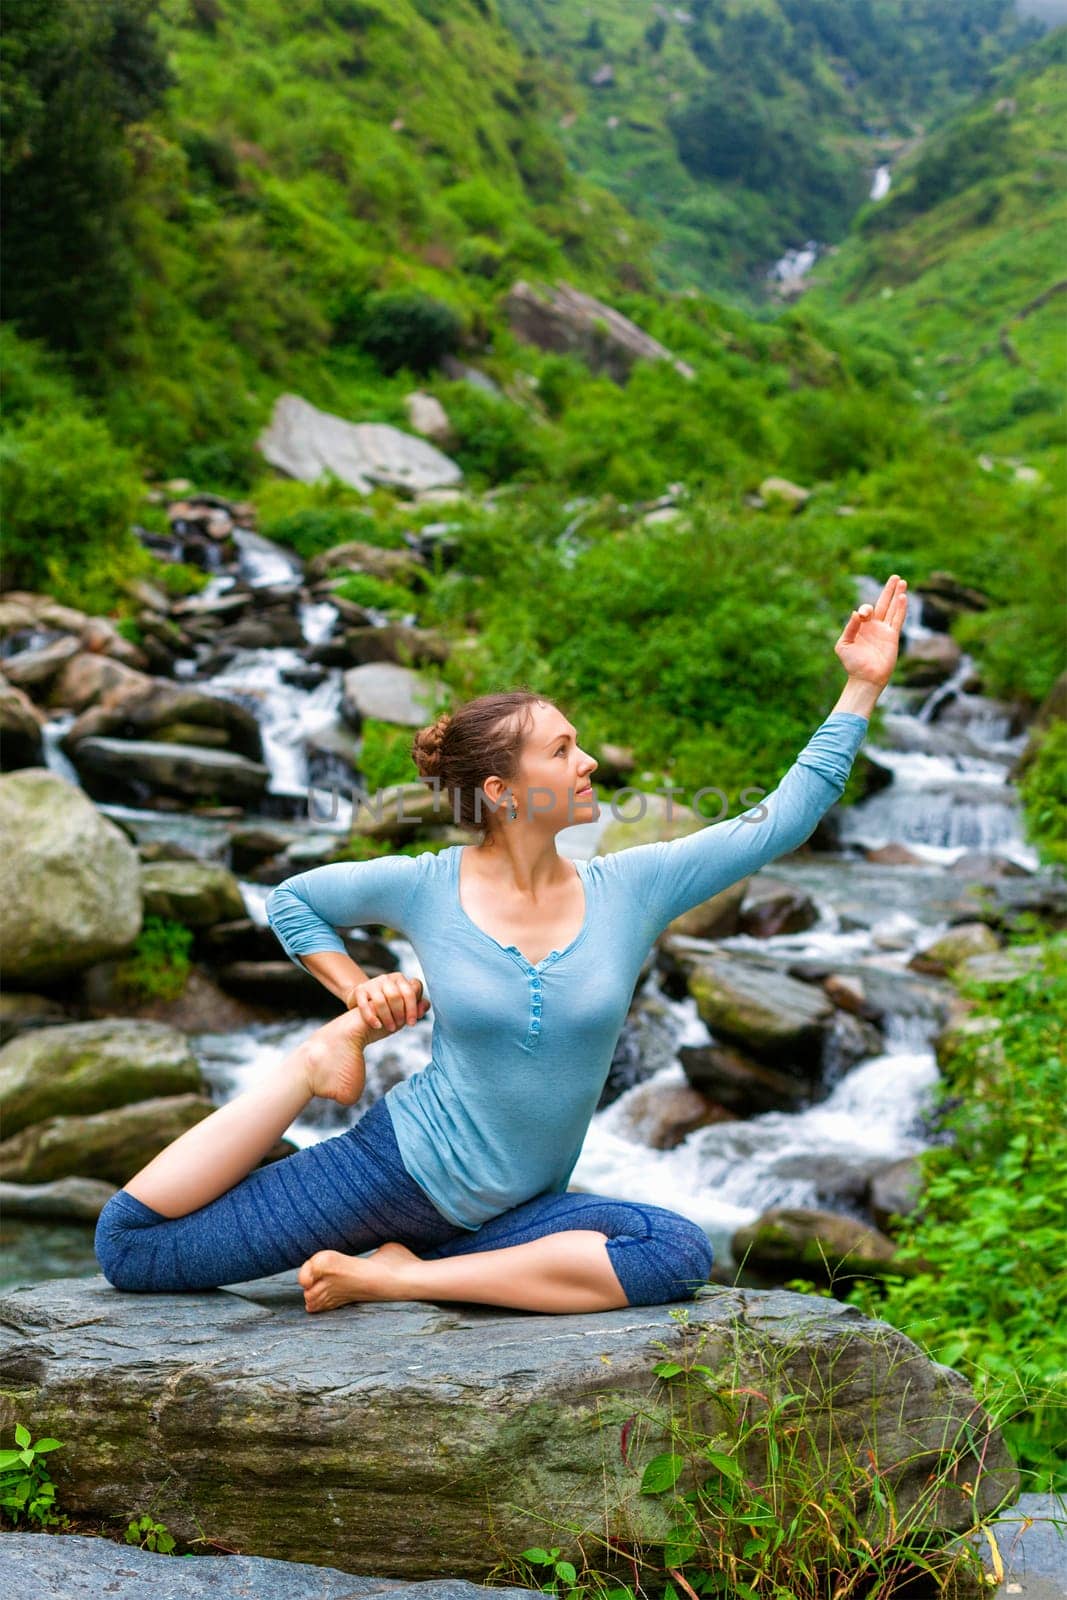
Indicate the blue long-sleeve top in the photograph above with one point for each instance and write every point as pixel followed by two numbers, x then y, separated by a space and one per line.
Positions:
pixel 520 1051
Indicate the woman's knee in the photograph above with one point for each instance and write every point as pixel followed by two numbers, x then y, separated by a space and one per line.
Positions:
pixel 120 1239
pixel 670 1260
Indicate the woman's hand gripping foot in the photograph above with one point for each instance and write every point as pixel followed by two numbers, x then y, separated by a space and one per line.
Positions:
pixel 333 1056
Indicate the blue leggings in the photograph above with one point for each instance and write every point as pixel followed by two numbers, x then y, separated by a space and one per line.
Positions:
pixel 352 1192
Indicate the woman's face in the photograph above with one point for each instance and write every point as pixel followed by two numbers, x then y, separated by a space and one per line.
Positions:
pixel 553 784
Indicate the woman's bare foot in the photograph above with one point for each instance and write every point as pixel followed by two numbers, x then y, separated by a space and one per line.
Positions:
pixel 330 1279
pixel 333 1057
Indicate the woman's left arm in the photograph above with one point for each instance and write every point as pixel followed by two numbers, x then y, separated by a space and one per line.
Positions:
pixel 674 875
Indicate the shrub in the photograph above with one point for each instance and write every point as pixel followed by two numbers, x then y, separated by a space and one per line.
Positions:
pixel 158 966
pixel 404 329
pixel 1043 792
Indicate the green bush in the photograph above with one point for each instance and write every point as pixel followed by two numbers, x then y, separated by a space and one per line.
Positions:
pixel 70 495
pixel 992 1299
pixel 158 966
pixel 495 438
pixel 403 329
pixel 364 589
pixel 316 529
pixel 1043 792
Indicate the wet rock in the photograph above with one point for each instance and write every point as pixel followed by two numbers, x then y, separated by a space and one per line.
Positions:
pixel 564 319
pixel 20 1013
pixel 964 1035
pixel 139 770
pixel 741 1085
pixel 894 1192
pixel 137 712
pixel 1002 966
pixel 771 908
pixel 849 1040
pixel 35 669
pixel 390 693
pixel 304 441
pixel 111 1145
pixel 355 555
pixel 396 642
pixel 279 984
pixel 82 1067
pixel 965 940
pixel 202 1007
pixel 184 1399
pixel 928 660
pixel 21 744
pixel 771 1016
pixel 191 892
pixel 85 678
pixel 250 846
pixel 73 1199
pixel 70 882
pixel 666 1114
pixel 894 855
pixel 793 1240
pixel 849 994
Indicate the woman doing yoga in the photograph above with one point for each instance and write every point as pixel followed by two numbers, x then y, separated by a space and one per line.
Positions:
pixel 456 1179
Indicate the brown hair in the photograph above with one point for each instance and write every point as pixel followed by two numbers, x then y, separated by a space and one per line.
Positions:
pixel 482 739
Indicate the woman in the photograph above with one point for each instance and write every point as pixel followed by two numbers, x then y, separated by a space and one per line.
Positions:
pixel 459 1173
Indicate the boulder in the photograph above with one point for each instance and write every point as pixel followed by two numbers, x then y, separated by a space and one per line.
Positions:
pixel 111 1145
pixel 35 668
pixel 666 1113
pixel 137 712
pixel 396 642
pixel 391 693
pixel 426 415
pixel 894 1191
pixel 19 1013
pixel 928 660
pixel 195 893
pixel 355 555
pixel 781 492
pixel 140 769
pixel 789 1240
pixel 564 319
pixel 771 907
pixel 69 1199
pixel 235 1414
pixel 771 1016
pixel 21 744
pixel 57 1566
pixel 745 1087
pixel 304 442
pixel 83 1067
pixel 965 940
pixel 70 882
pixel 86 677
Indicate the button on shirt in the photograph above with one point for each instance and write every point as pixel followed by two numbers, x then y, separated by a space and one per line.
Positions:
pixel 520 1050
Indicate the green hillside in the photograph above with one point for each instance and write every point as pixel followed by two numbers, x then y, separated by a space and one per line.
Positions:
pixel 744 127
pixel 302 207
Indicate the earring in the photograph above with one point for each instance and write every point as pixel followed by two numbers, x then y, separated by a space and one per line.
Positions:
pixel 513 812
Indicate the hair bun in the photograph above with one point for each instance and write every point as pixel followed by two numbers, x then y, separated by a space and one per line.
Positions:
pixel 426 746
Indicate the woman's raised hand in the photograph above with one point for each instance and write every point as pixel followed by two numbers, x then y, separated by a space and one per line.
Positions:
pixel 388 1002
pixel 868 644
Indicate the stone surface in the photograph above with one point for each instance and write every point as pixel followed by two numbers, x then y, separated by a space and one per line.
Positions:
pixel 139 768
pixel 20 729
pixel 565 319
pixel 195 893
pixel 821 1244
pixel 21 1012
pixel 77 1199
pixel 391 693
pixel 959 944
pixel 304 441
pixel 238 1416
pixel 70 880
pixel 111 1145
pixel 63 1566
pixel 79 1068
pixel 769 1014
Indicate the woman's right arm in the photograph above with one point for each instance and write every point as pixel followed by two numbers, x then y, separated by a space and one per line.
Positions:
pixel 307 909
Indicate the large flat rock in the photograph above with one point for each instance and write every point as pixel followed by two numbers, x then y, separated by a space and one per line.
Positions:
pixel 44 1566
pixel 413 1438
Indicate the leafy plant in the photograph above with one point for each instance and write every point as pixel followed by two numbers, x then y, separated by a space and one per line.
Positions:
pixel 26 1487
pixel 158 965
pixel 1043 792
pixel 148 1534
